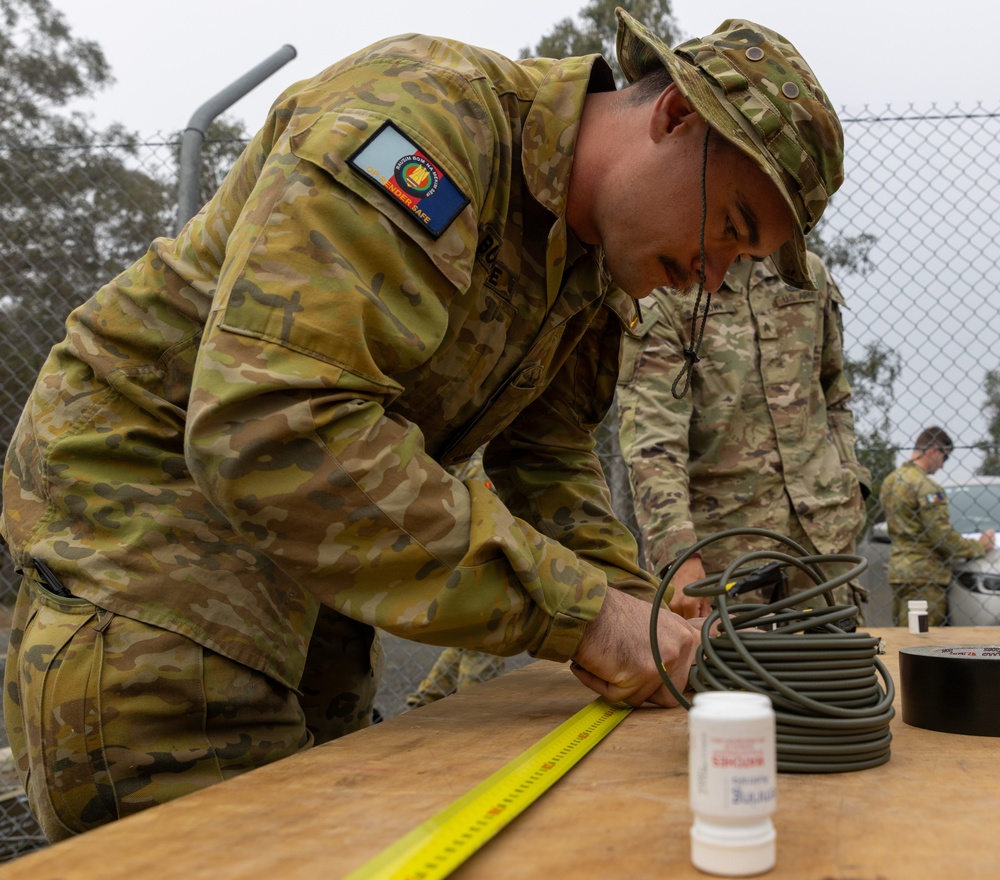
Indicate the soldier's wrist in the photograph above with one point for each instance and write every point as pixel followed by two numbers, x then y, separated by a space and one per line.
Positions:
pixel 695 555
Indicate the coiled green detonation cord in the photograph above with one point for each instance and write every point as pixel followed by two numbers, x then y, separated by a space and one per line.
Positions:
pixel 831 711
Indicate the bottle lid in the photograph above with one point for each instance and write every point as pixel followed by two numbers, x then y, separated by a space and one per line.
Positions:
pixel 730 703
pixel 733 850
pixel 916 605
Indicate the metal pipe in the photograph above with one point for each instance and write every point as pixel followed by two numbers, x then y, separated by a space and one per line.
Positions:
pixel 194 134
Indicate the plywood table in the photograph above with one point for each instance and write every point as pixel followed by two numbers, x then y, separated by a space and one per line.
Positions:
pixel 621 813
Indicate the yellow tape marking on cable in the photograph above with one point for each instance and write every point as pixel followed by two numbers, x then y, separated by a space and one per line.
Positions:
pixel 438 846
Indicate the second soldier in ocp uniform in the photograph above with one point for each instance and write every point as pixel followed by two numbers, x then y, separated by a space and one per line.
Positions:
pixel 763 438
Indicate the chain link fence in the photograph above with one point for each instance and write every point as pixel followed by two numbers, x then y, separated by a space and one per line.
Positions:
pixel 921 194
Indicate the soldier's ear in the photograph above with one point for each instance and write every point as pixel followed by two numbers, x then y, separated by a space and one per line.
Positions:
pixel 670 112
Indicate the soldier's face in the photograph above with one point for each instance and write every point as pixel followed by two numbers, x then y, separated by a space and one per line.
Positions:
pixel 651 234
pixel 935 460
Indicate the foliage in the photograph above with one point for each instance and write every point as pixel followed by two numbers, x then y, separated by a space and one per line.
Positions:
pixel 873 376
pixel 872 379
pixel 596 29
pixel 78 204
pixel 990 447
pixel 58 235
pixel 42 67
pixel 852 253
pixel 224 141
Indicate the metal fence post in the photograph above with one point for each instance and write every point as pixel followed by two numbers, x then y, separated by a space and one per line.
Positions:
pixel 194 134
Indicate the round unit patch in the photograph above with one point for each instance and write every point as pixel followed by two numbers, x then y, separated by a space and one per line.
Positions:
pixel 417 176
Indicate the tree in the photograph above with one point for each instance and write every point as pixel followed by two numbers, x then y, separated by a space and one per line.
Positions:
pixel 73 209
pixel 990 447
pixel 224 142
pixel 873 379
pixel 597 28
pixel 78 204
pixel 852 253
pixel 873 376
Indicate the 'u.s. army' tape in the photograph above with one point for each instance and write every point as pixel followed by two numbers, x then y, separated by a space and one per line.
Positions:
pixel 438 846
pixel 951 688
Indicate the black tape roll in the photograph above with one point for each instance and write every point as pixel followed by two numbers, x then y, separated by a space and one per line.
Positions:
pixel 952 688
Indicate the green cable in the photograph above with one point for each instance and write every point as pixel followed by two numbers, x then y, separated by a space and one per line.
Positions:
pixel 832 712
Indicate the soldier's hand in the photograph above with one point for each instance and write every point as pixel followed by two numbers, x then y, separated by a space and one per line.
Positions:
pixel 987 539
pixel 689 606
pixel 615 658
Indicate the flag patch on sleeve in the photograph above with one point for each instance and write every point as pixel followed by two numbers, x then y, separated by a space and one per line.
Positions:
pixel 410 177
pixel 935 497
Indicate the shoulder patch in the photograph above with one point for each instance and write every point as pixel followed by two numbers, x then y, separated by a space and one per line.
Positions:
pixel 410 177
pixel 935 497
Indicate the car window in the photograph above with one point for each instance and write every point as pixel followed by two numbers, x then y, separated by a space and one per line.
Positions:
pixel 974 508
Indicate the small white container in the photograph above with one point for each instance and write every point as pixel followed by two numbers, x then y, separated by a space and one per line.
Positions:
pixel 917 615
pixel 733 783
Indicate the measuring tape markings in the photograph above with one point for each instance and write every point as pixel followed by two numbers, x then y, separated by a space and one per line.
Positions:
pixel 436 847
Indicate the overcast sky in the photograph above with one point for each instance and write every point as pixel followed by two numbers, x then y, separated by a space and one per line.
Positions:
pixel 170 57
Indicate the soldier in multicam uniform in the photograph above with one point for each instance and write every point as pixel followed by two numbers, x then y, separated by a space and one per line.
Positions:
pixel 924 542
pixel 233 466
pixel 764 439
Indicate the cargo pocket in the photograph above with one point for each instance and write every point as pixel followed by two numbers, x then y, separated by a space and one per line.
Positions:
pixel 45 681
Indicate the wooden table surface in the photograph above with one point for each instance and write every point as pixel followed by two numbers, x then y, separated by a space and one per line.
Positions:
pixel 623 813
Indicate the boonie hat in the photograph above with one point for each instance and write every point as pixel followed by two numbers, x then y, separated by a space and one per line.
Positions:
pixel 751 85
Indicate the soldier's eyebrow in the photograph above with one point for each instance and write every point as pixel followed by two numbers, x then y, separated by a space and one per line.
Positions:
pixel 749 218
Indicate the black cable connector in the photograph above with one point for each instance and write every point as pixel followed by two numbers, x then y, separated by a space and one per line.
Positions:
pixel 770 575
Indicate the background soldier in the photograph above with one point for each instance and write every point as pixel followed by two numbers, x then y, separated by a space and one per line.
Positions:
pixel 923 539
pixel 764 437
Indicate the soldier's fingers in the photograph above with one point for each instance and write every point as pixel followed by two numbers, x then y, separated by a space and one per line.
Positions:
pixel 662 697
pixel 689 606
pixel 597 684
pixel 633 695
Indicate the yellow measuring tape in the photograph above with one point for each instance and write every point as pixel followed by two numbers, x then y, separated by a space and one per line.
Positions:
pixel 438 846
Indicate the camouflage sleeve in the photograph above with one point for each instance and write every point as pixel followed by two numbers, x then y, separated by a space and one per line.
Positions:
pixel 836 390
pixel 288 433
pixel 653 427
pixel 547 470
pixel 938 532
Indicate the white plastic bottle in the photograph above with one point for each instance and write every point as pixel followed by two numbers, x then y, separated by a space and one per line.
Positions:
pixel 733 782
pixel 916 612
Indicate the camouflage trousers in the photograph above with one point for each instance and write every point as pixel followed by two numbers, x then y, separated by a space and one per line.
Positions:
pixel 108 716
pixel 456 669
pixel 935 594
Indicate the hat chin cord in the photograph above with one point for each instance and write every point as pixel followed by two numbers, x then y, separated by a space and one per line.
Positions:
pixel 691 353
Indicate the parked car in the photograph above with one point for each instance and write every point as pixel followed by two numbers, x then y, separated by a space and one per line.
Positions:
pixel 974 594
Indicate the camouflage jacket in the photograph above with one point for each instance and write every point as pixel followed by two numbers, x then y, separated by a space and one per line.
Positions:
pixel 923 539
pixel 255 417
pixel 766 418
